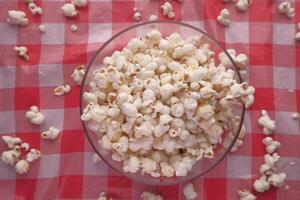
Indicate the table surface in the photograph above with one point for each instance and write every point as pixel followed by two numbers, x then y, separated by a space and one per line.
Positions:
pixel 66 169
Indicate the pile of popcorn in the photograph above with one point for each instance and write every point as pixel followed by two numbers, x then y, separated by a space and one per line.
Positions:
pixel 161 104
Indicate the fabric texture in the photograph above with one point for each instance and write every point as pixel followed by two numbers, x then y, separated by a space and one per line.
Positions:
pixel 66 169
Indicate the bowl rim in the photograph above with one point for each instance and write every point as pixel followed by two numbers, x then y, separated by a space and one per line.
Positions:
pixel 184 179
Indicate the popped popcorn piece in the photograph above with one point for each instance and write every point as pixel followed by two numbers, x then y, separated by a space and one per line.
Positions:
pixel 243 5
pixel 22 166
pixel 80 3
pixel 16 17
pixel 246 195
pixel 78 74
pixel 265 121
pixel 286 9
pixel 277 180
pixel 25 146
pixel 69 10
pixel 34 9
pixel 189 192
pixel 10 157
pixel 11 141
pixel 52 133
pixel 131 165
pixel 22 52
pixel 137 16
pixel 61 90
pixel 292 163
pixel 73 27
pixel 35 116
pixel 33 155
pixel 296 115
pixel 150 196
pixel 167 10
pixel 152 18
pixel 42 28
pixel 96 158
pixel 271 145
pixel 223 18
pixel 261 184
pixel 102 196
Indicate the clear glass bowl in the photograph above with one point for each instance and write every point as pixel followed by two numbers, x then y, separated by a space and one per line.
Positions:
pixel 117 42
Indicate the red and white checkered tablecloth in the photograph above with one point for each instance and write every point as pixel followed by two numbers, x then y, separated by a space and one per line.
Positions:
pixel 66 169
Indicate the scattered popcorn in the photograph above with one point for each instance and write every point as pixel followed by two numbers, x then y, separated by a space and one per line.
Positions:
pixel 246 195
pixel 16 17
pixel 261 184
pixel 277 180
pixel 52 133
pixel 34 115
pixel 61 90
pixel 296 115
pixel 25 146
pixel 152 18
pixel 96 158
pixel 80 3
pixel 22 52
pixel 22 167
pixel 223 18
pixel 265 121
pixel 34 9
pixel 11 141
pixel 33 155
pixel 167 10
pixel 10 157
pixel 271 145
pixel 162 120
pixel 189 192
pixel 287 9
pixel 137 16
pixel 78 74
pixel 42 28
pixel 150 196
pixel 243 5
pixel 69 10
pixel 73 27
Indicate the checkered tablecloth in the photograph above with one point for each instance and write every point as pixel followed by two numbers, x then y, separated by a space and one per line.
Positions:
pixel 66 169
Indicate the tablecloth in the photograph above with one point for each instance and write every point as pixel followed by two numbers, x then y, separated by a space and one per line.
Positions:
pixel 66 169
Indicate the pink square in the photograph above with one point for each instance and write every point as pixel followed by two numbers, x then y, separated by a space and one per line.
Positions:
pixel 237 33
pixel 50 147
pixel 52 11
pixel 68 166
pixel 8 56
pixel 245 149
pixel 291 171
pixel 70 187
pixel 215 30
pixel 257 76
pixel 7 121
pixel 284 55
pixel 72 119
pixel 297 57
pixel 7 77
pixel 27 76
pixel 106 11
pixel 285 124
pixel 72 99
pixel 168 192
pixel 92 48
pixel 8 34
pixel 52 54
pixel 126 8
pixel 264 35
pixel 78 37
pixel 234 185
pixel 53 117
pixel 99 32
pixel 7 188
pixel 220 171
pixel 239 167
pixel 264 99
pixel 215 188
pixel 236 16
pixel 71 141
pixel 93 186
pixel 12 5
pixel 284 78
pixel 289 145
pixel 148 8
pixel 29 96
pixel 261 54
pixel 212 9
pixel 50 75
pixel 282 33
pixel 54 34
pixel 46 188
pixel 30 34
pixel 24 124
pixel 264 8
pixel 284 100
pixel 291 194
pixel 49 167
pixel 7 99
pixel 48 100
pixel 75 53
pixel 297 74
pixel 92 168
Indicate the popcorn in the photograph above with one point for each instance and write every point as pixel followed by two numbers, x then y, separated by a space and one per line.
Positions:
pixel 277 180
pixel 152 18
pixel 33 155
pixel 25 146
pixel 16 17
pixel 265 121
pixel 286 9
pixel 137 16
pixel 246 195
pixel 223 18
pixel 189 192
pixel 153 111
pixel 296 115
pixel 271 145
pixel 35 116
pixel 167 10
pixel 73 27
pixel 11 141
pixel 69 10
pixel 78 74
pixel 261 184
pixel 243 5
pixel 52 133
pixel 22 167
pixel 42 28
pixel 80 3
pixel 34 9
pixel 102 196
pixel 10 157
pixel 150 196
pixel 61 90
pixel 96 158
pixel 22 52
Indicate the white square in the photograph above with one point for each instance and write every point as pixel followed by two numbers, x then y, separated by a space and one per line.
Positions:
pixel 291 171
pixel 99 32
pixel 285 123
pixel 284 77
pixel 54 34
pixel 239 167
pixel 51 75
pixel 8 34
pixel 238 32
pixel 53 117
pixel 49 166
pixel 92 168
pixel 7 77
pixel 247 122
pixel 197 24
pixel 283 34
pixel 7 122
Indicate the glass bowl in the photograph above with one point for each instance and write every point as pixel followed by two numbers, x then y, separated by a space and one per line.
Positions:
pixel 117 42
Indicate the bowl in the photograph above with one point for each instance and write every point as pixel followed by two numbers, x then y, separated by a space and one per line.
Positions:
pixel 117 42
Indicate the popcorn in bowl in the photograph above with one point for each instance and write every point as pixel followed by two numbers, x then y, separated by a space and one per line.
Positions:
pixel 162 104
